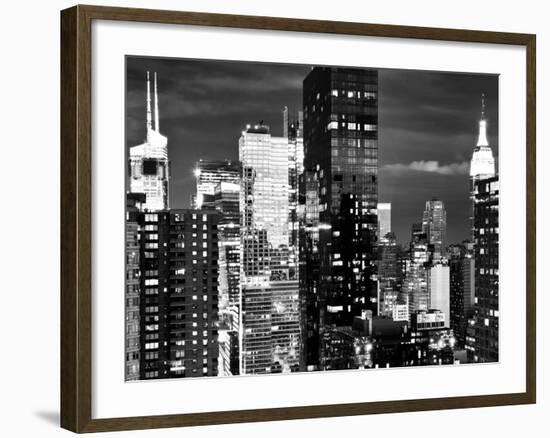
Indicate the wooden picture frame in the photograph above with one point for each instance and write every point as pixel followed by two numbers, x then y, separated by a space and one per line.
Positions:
pixel 76 218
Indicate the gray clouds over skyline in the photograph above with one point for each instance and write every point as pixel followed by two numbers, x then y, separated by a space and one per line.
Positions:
pixel 427 125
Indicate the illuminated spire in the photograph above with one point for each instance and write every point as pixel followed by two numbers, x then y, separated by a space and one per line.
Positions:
pixel 483 163
pixel 482 139
pixel 157 124
pixel 148 103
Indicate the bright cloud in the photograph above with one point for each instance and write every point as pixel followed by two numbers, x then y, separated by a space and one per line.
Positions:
pixel 430 166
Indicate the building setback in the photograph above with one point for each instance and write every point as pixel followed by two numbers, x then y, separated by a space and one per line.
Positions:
pixel 179 305
pixel 482 340
pixel 341 156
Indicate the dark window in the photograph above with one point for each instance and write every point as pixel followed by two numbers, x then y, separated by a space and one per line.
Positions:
pixel 149 167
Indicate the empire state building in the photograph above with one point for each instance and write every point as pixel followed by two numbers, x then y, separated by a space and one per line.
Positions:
pixel 482 165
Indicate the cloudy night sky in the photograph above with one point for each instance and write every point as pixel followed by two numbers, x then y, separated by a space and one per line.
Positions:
pixel 428 124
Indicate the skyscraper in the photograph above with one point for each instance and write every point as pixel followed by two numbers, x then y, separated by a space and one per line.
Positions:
pixel 415 285
pixel 482 340
pixel 209 174
pixel 482 164
pixel 269 273
pixel 389 274
pixel 439 289
pixel 341 163
pixel 134 203
pixel 149 166
pixel 293 130
pixel 384 219
pixel 179 305
pixel 148 192
pixel 461 267
pixel 226 202
pixel 434 224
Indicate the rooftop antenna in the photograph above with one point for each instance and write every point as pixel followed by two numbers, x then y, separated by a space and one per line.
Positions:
pixel 157 124
pixel 148 103
pixel 482 139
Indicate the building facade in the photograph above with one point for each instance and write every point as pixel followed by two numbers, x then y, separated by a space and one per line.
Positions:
pixel 439 289
pixel 482 340
pixel 208 174
pixel 384 219
pixel 179 305
pixel 226 202
pixel 415 284
pixel 293 131
pixel 390 277
pixel 134 202
pixel 461 267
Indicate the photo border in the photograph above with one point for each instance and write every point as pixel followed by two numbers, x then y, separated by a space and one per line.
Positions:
pixel 76 214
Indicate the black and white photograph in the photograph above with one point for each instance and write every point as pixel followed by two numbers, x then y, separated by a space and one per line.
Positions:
pixel 286 218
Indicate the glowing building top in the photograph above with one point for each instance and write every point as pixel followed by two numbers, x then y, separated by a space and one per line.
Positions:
pixel 483 164
pixel 149 167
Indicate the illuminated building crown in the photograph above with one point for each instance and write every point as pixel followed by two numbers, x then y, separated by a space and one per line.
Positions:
pixel 482 164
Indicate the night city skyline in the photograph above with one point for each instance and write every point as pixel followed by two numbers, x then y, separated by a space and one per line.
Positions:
pixel 290 218
pixel 428 124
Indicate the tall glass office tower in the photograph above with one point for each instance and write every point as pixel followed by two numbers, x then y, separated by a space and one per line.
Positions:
pixel 341 165
pixel 270 301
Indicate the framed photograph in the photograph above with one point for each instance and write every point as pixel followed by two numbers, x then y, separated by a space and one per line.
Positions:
pixel 268 219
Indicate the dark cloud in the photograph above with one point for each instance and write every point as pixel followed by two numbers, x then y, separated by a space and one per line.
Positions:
pixel 428 125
